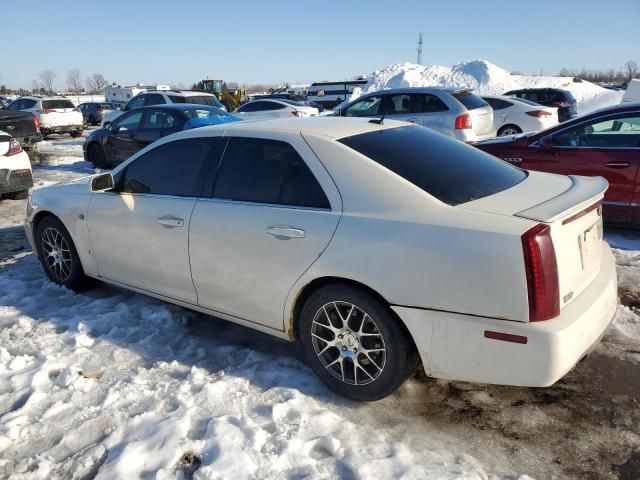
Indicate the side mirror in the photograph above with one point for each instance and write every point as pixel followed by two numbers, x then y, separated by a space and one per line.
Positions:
pixel 546 142
pixel 104 181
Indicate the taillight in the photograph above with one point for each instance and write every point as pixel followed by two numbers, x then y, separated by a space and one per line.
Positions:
pixel 36 125
pixel 99 110
pixel 14 147
pixel 538 113
pixel 296 113
pixel 541 269
pixel 463 122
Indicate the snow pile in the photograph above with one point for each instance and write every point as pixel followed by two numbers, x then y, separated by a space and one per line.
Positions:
pixel 486 79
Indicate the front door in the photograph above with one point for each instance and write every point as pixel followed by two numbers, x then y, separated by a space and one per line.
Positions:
pixel 140 231
pixel 121 142
pixel 268 219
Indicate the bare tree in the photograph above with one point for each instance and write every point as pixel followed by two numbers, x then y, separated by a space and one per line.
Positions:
pixel 46 80
pixel 631 68
pixel 96 83
pixel 74 80
pixel 35 87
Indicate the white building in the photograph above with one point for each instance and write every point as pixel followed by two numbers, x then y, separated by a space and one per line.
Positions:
pixel 119 94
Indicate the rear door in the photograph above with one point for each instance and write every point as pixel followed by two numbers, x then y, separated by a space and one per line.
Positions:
pixel 603 147
pixel 267 220
pixel 121 142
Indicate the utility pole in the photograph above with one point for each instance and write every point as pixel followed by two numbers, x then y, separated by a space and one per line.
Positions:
pixel 420 48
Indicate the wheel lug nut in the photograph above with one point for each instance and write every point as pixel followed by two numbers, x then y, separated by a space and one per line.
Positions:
pixel 340 336
pixel 344 349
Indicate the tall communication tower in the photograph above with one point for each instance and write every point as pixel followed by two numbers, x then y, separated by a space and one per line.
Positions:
pixel 420 48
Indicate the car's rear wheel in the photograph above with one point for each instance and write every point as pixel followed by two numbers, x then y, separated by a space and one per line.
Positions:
pixel 92 120
pixel 354 343
pixel 97 156
pixel 509 130
pixel 58 254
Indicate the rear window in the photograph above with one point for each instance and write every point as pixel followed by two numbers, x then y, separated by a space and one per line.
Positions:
pixel 447 169
pixel 470 100
pixel 197 99
pixel 528 102
pixel 51 104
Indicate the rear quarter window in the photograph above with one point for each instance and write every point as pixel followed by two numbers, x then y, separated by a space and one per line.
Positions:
pixel 447 169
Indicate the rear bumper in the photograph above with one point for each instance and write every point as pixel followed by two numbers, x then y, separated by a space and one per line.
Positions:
pixel 453 346
pixel 15 180
pixel 60 128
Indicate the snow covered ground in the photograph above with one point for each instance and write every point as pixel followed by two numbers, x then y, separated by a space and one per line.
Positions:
pixel 112 384
pixel 486 79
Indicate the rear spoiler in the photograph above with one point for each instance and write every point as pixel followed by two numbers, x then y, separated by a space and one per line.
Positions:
pixel 583 192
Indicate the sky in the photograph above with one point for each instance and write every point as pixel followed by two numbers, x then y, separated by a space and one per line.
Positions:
pixel 257 42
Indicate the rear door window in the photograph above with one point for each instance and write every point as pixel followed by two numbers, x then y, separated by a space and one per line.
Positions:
pixel 428 104
pixel 137 101
pixel 154 99
pixel 470 100
pixel 449 170
pixel 267 171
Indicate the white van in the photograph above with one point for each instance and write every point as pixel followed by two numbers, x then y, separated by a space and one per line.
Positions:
pixel 633 91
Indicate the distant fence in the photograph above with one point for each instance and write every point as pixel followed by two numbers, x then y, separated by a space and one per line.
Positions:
pixel 78 99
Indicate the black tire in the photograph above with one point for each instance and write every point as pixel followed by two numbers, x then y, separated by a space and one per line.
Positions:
pixel 20 195
pixel 92 120
pixel 509 128
pixel 76 133
pixel 48 232
pixel 97 156
pixel 389 369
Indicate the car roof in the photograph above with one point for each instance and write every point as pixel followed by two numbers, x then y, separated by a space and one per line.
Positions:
pixel 331 127
pixel 422 90
pixel 178 106
pixel 541 89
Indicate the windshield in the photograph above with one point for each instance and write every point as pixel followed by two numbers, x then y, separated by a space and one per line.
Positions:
pixel 447 169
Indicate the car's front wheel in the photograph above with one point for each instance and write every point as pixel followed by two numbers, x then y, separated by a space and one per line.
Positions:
pixel 58 254
pixel 97 156
pixel 354 343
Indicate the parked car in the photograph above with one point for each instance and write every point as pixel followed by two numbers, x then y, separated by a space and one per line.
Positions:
pixel 563 100
pixel 330 94
pixel 4 102
pixel 160 97
pixel 513 115
pixel 118 140
pixel 281 226
pixel 289 96
pixel 261 109
pixel 605 143
pixel 457 113
pixel 23 126
pixel 54 114
pixel 92 112
pixel 15 169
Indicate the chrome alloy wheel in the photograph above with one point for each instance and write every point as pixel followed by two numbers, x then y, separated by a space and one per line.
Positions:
pixel 56 253
pixel 348 343
pixel 509 131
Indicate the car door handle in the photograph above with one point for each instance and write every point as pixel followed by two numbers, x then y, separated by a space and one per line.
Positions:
pixel 285 231
pixel 617 164
pixel 171 222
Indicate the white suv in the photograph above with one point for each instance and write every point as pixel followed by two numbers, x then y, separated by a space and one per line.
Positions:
pixel 54 114
pixel 160 97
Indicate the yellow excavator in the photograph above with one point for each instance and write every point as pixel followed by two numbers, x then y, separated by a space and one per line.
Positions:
pixel 231 98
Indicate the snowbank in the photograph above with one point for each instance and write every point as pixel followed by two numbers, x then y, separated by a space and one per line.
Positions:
pixel 486 79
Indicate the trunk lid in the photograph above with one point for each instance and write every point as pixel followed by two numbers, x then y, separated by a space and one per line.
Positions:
pixel 571 206
pixel 481 120
pixel 17 124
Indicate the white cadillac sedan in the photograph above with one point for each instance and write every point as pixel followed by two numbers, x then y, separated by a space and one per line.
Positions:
pixel 373 244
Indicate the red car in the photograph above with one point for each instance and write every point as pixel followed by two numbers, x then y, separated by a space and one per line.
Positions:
pixel 603 143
